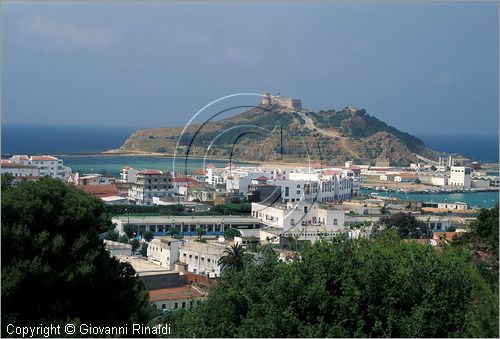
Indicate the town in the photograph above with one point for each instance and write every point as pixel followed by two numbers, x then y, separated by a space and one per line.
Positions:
pixel 178 254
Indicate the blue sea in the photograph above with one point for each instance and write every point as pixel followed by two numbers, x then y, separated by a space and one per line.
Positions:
pixel 77 145
pixel 483 148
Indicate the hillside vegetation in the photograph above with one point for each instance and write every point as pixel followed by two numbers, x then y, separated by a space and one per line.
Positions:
pixel 274 133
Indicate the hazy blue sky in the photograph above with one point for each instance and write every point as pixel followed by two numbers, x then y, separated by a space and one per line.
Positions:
pixel 423 67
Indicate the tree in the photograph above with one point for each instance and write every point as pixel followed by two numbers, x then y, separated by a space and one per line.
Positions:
pixel 349 288
pixel 200 232
pixel 173 231
pixel 124 239
pixel 384 210
pixel 230 233
pixel 55 269
pixel 111 235
pixel 135 245
pixel 482 241
pixel 405 224
pixel 129 230
pixel 234 258
pixel 144 249
pixel 148 236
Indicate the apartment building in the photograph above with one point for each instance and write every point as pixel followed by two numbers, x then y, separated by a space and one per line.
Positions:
pixel 47 165
pixel 148 184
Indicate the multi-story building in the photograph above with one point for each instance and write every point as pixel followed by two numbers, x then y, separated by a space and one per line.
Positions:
pixel 460 176
pixel 164 252
pixel 193 256
pixel 149 184
pixel 95 179
pixel 47 165
pixel 202 258
pixel 128 174
pixel 307 221
pixel 19 170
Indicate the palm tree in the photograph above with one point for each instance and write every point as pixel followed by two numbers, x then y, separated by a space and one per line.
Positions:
pixel 234 258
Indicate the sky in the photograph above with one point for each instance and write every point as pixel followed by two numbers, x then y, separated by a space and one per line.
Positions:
pixel 423 67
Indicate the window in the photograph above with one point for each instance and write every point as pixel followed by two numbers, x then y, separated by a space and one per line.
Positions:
pixel 184 254
pixel 190 256
pixel 335 221
pixel 183 304
pixel 196 257
pixel 208 259
pixel 298 186
pixel 298 191
pixel 163 306
pixel 176 305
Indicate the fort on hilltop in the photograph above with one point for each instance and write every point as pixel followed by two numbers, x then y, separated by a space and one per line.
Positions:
pixel 281 101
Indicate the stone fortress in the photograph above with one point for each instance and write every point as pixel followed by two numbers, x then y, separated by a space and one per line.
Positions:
pixel 281 101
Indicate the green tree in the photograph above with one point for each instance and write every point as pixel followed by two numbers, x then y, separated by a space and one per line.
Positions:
pixel 349 288
pixel 55 269
pixel 200 232
pixel 173 231
pixel 135 245
pixel 111 235
pixel 405 224
pixel 384 210
pixel 230 233
pixel 148 236
pixel 129 230
pixel 234 258
pixel 482 240
pixel 124 239
pixel 144 249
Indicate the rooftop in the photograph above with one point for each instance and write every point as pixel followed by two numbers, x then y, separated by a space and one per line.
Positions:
pixel 150 172
pixel 144 267
pixel 43 158
pixel 185 219
pixel 101 190
pixel 175 293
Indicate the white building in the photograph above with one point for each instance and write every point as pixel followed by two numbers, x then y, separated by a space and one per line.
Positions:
pixel 461 206
pixel 19 170
pixel 405 177
pixel 47 165
pixel 95 179
pixel 196 257
pixel 304 220
pixel 164 252
pixel 439 181
pixel 149 184
pixel 202 258
pixel 128 174
pixel 215 176
pixel 460 176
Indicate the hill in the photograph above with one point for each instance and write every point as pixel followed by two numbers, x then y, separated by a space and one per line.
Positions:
pixel 273 132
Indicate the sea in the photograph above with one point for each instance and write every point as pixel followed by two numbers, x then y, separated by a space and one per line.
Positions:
pixel 79 147
pixel 481 199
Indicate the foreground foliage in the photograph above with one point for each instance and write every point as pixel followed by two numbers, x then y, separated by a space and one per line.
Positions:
pixel 349 288
pixel 55 270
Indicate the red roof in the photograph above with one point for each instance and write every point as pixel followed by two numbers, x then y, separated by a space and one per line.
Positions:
pixel 184 179
pixel 199 171
pixel 101 190
pixel 210 166
pixel 262 178
pixel 43 158
pixel 150 172
pixel 175 293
